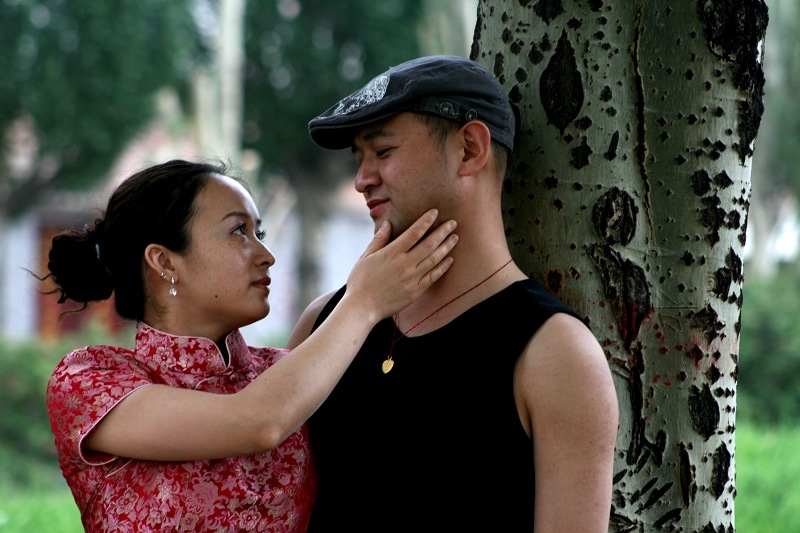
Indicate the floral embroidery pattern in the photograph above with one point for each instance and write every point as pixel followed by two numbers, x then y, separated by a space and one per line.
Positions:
pixel 271 492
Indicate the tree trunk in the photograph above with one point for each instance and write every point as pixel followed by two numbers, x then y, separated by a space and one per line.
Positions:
pixel 218 89
pixel 230 66
pixel 628 196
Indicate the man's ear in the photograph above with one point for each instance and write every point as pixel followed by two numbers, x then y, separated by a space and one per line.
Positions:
pixel 158 259
pixel 477 146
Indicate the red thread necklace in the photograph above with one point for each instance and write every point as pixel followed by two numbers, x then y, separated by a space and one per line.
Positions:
pixel 388 363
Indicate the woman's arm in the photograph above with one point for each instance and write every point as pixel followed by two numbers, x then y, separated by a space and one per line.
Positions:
pixel 158 422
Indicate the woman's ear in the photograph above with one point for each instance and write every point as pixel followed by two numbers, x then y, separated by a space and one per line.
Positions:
pixel 477 147
pixel 158 260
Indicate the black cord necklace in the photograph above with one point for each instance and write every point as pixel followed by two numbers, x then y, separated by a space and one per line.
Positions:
pixel 388 363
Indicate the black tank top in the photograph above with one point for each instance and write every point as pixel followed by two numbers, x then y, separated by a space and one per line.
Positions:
pixel 436 444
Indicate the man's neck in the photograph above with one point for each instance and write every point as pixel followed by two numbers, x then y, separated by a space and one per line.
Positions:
pixel 472 278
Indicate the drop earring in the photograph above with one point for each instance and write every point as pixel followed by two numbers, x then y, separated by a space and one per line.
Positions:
pixel 172 290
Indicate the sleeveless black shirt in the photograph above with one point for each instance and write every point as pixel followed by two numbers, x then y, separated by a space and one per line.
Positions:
pixel 436 444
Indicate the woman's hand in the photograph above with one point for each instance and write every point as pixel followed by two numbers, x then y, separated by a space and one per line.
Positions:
pixel 388 277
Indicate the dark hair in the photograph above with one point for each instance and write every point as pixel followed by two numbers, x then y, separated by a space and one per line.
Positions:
pixel 153 206
pixel 442 127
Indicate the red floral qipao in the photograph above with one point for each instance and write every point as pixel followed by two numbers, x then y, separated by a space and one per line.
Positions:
pixel 266 492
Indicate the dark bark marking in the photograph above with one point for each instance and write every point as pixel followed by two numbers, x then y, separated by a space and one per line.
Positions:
pixel 722 283
pixel 701 183
pixel 499 63
pixel 719 470
pixel 580 154
pixel 722 180
pixel 696 355
pixel 622 524
pixel 561 86
pixel 614 217
pixel 645 488
pixel 734 31
pixel 611 153
pixel 711 528
pixel 686 474
pixel 507 36
pixel 595 5
pixel 687 258
pixel 547 10
pixel 669 516
pixel 712 216
pixel 703 411
pixel 733 219
pixel 724 277
pixel 535 55
pixel 640 449
pixel 640 148
pixel 626 289
pixel 655 496
pixel 713 374
pixel 554 280
pixel 574 23
pixel 583 123
pixel 707 321
pixel 515 95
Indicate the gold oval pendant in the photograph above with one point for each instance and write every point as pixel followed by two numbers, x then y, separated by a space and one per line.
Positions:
pixel 387 366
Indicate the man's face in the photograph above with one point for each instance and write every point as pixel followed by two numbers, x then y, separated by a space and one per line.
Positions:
pixel 403 171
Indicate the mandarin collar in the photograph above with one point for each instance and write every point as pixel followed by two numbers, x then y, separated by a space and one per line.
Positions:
pixel 160 349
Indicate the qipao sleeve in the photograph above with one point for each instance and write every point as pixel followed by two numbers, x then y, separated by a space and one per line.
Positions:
pixel 82 389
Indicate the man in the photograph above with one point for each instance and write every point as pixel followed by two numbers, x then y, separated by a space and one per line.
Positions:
pixel 486 405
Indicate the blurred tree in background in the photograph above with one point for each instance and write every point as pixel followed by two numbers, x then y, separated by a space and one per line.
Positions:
pixel 302 57
pixel 78 83
pixel 769 351
pixel 776 165
pixel 81 80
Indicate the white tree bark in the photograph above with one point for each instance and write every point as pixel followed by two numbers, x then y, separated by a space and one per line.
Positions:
pixel 628 196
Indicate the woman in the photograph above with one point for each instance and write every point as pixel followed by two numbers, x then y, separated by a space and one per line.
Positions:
pixel 193 430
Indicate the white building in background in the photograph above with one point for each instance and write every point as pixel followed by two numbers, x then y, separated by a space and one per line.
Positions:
pixel 19 250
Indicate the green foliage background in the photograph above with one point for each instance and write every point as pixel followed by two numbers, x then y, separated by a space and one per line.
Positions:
pixel 85 73
pixel 769 349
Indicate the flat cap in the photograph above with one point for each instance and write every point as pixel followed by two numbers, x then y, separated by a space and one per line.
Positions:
pixel 451 87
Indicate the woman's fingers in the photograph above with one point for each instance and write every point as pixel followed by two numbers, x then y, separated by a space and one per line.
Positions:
pixel 379 240
pixel 410 237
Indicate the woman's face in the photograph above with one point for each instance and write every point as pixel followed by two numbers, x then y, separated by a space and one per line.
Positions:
pixel 223 278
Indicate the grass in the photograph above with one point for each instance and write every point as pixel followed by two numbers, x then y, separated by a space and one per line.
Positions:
pixel 37 512
pixel 767 501
pixel 767 474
